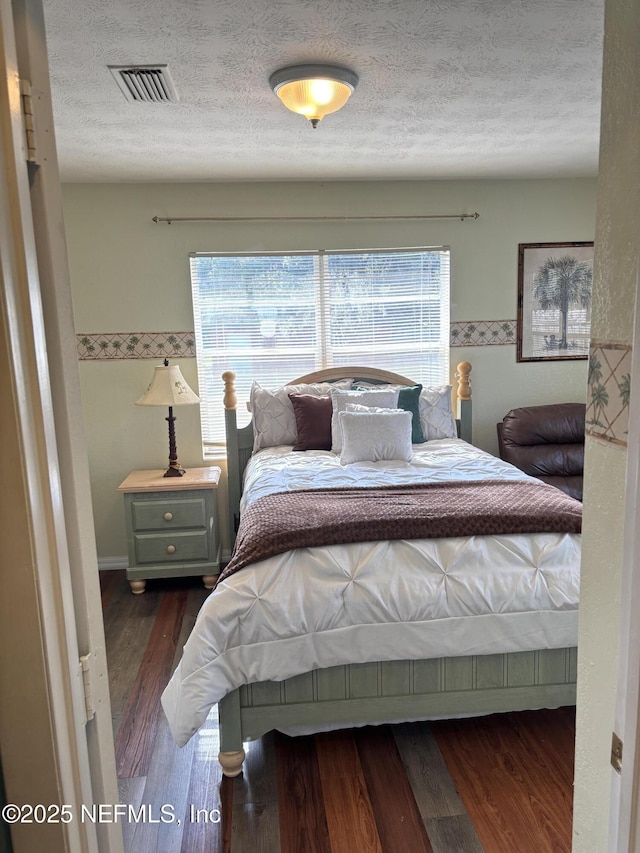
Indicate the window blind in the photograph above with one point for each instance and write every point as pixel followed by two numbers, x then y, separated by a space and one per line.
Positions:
pixel 273 317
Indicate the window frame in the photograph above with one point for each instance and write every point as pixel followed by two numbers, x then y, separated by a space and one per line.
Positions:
pixel 324 353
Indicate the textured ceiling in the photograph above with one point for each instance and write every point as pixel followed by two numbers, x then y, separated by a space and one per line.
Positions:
pixel 448 89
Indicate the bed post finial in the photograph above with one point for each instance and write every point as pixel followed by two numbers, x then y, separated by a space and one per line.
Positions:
pixel 464 383
pixel 230 399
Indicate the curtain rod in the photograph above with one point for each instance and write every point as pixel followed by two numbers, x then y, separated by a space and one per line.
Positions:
pixel 170 219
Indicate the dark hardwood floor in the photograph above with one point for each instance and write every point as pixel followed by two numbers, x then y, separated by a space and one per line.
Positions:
pixel 498 783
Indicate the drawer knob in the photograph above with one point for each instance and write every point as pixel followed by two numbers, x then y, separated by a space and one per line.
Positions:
pixel 168 516
pixel 171 549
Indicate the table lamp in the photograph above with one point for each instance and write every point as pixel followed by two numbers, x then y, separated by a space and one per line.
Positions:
pixel 168 388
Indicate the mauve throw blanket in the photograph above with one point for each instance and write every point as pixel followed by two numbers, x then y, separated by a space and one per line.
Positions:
pixel 318 517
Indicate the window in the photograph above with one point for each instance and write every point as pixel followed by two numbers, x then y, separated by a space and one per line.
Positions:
pixel 274 317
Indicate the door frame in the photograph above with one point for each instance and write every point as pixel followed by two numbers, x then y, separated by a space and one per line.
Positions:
pixel 50 608
pixel 624 821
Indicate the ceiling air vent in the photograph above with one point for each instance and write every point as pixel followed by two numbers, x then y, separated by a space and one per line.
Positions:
pixel 149 84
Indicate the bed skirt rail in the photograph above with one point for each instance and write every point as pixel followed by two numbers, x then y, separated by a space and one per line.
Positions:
pixel 390 691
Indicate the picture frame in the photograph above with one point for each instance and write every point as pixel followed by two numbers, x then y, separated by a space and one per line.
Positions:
pixel 554 301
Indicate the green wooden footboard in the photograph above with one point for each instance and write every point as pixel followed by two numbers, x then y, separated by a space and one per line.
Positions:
pixel 400 690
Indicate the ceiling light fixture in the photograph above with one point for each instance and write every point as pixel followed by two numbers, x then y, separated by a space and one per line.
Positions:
pixel 314 91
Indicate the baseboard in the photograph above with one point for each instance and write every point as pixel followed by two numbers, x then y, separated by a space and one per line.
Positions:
pixel 109 564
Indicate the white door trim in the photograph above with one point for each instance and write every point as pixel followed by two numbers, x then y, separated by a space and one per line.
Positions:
pixel 624 822
pixel 50 570
pixel 46 203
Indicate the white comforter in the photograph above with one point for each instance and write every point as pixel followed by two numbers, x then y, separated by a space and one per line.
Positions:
pixel 416 599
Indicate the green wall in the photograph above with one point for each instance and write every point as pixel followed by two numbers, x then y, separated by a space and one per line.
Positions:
pixel 129 274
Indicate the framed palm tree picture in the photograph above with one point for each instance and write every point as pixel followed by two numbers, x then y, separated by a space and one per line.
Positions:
pixel 554 301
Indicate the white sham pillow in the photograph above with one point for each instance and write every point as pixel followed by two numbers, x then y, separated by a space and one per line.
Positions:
pixel 375 436
pixel 436 415
pixel 385 398
pixel 274 420
pixel 354 407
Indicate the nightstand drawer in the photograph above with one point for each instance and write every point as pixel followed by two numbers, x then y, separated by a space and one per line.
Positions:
pixel 165 513
pixel 171 548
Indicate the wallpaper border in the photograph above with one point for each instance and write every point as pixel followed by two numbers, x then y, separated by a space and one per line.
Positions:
pixel 123 345
pixel 109 346
pixel 609 388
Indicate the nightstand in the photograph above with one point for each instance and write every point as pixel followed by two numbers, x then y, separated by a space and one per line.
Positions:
pixel 172 525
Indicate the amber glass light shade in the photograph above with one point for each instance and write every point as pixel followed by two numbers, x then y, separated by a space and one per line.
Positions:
pixel 314 91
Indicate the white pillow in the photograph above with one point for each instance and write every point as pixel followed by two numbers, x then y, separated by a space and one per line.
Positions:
pixel 436 415
pixel 274 421
pixel 386 398
pixel 354 407
pixel 375 436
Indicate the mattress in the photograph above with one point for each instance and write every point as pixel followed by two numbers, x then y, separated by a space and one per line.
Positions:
pixel 404 599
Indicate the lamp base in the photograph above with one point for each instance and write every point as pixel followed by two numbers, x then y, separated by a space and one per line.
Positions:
pixel 174 471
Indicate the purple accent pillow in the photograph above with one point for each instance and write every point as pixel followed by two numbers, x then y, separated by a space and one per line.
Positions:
pixel 313 421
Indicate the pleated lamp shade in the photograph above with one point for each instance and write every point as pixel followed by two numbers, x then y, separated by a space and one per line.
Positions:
pixel 168 388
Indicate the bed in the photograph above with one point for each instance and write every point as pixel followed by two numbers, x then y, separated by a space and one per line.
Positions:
pixel 415 627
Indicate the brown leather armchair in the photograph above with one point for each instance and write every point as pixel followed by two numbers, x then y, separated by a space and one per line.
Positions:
pixel 546 442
